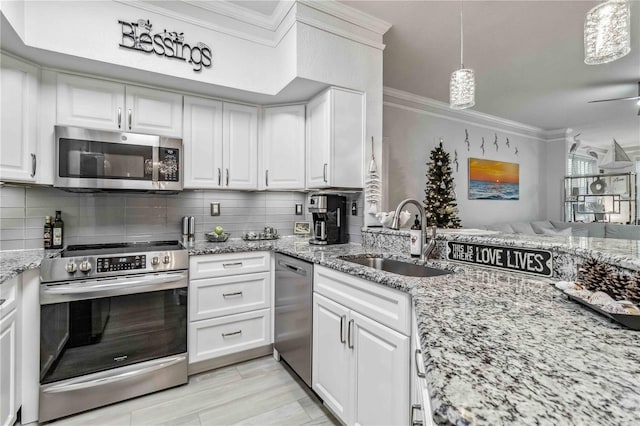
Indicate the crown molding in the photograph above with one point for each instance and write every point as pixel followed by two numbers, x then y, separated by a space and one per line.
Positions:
pixel 244 35
pixel 349 14
pixel 277 24
pixel 555 135
pixel 440 109
pixel 248 16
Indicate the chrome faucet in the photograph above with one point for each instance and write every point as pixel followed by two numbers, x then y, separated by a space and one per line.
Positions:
pixel 427 247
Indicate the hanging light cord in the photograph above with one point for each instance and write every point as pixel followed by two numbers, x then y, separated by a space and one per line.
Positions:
pixel 461 37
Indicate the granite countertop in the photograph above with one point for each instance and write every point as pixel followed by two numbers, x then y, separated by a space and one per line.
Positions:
pixel 623 253
pixel 504 348
pixel 499 347
pixel 15 262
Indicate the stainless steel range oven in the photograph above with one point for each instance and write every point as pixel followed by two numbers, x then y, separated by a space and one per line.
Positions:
pixel 113 324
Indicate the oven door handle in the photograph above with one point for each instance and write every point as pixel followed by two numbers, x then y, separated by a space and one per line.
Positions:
pixel 55 293
pixel 79 384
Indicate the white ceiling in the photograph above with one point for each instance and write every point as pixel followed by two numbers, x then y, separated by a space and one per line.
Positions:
pixel 527 56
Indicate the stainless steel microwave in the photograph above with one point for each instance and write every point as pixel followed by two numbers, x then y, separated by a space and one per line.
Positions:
pixel 88 159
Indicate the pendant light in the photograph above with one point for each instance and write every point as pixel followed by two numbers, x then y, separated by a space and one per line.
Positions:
pixel 607 32
pixel 462 87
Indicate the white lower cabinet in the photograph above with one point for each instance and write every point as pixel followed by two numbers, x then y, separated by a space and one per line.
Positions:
pixel 360 365
pixel 10 398
pixel 421 413
pixel 229 305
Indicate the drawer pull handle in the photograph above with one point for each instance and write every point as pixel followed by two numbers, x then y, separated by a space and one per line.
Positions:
pixel 130 119
pixel 119 118
pixel 413 421
pixel 415 357
pixel 350 332
pixel 232 265
pixel 342 320
pixel 219 176
pixel 237 293
pixel 2 301
pixel 233 333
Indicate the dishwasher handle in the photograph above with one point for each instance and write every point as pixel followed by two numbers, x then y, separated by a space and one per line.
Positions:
pixel 292 268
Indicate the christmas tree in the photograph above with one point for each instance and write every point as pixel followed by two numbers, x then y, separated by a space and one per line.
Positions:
pixel 440 202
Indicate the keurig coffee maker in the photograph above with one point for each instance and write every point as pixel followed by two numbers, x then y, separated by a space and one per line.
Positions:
pixel 329 219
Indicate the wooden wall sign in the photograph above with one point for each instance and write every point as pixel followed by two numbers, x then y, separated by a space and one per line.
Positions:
pixel 530 261
pixel 170 44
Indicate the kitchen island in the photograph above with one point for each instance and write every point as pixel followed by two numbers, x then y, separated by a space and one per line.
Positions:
pixel 499 347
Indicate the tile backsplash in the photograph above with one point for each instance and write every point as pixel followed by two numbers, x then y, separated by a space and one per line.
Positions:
pixel 113 217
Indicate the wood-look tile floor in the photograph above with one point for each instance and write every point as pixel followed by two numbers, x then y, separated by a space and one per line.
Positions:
pixel 256 392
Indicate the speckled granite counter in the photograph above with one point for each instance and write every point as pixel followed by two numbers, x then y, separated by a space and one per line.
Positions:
pixel 500 348
pixel 503 348
pixel 15 262
pixel 567 250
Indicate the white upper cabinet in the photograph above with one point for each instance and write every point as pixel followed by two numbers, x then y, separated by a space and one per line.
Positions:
pixel 88 102
pixel 101 104
pixel 335 139
pixel 154 111
pixel 283 148
pixel 240 146
pixel 202 143
pixel 18 125
pixel 220 144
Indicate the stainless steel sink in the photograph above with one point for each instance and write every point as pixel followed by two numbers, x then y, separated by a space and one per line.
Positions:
pixel 397 267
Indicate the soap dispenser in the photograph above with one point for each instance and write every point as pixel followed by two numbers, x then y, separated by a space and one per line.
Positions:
pixel 416 238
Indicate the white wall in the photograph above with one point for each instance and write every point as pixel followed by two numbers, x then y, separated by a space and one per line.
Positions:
pixel 413 131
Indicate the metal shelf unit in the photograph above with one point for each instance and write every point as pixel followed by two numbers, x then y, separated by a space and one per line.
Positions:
pixel 605 197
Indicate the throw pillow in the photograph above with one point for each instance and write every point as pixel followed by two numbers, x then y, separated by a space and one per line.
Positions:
pixel 566 231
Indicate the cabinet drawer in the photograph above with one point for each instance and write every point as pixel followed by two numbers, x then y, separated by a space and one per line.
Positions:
pixel 8 296
pixel 214 297
pixel 222 265
pixel 385 305
pixel 223 336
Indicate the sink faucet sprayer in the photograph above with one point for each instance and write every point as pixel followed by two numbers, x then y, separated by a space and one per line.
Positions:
pixel 427 247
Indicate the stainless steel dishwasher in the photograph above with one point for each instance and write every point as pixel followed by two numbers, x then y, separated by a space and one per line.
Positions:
pixel 293 314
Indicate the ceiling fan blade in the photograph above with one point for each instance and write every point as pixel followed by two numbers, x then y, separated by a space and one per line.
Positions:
pixel 630 98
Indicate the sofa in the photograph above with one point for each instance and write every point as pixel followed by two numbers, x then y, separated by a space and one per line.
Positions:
pixel 577 229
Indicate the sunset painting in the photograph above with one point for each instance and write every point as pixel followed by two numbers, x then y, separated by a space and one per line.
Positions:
pixel 493 180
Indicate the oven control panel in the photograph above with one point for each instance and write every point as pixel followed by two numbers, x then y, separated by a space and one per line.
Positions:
pixel 121 263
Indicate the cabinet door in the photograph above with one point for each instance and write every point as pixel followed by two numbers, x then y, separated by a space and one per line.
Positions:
pixel 319 141
pixel 283 147
pixel 154 111
pixel 240 149
pixel 381 374
pixel 202 143
pixel 89 102
pixel 331 370
pixel 8 367
pixel 19 87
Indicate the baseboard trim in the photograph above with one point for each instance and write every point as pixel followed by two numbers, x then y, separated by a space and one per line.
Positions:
pixel 223 361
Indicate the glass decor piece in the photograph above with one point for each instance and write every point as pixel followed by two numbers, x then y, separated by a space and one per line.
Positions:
pixel 606 32
pixel 462 89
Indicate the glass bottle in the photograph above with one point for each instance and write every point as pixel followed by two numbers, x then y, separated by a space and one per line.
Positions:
pixel 48 232
pixel 58 231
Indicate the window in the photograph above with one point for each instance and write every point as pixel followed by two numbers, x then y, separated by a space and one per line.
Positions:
pixel 581 166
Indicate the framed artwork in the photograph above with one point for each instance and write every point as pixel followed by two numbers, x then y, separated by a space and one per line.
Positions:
pixel 302 228
pixel 493 180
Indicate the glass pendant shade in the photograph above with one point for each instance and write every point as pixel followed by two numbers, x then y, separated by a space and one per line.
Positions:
pixel 462 89
pixel 606 32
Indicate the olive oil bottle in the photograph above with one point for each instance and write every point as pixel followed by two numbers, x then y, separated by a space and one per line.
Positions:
pixel 58 231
